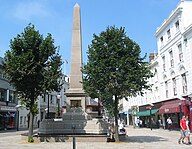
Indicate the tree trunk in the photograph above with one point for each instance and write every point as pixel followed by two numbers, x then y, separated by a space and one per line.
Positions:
pixel 30 126
pixel 116 119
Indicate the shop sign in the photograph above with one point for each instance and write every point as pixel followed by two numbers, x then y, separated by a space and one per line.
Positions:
pixel 166 110
pixel 6 108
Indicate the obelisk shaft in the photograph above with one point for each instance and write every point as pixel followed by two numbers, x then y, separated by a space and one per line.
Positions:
pixel 76 52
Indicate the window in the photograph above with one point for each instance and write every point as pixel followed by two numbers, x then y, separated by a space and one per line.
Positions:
pixel 174 87
pixel 163 58
pixel 177 25
pixel 184 83
pixel 95 109
pixel 75 103
pixel 12 97
pixel 3 94
pixel 171 58
pixel 21 120
pixel 51 98
pixel 43 97
pixel 161 39
pixel 180 52
pixel 169 34
pixel 25 120
pixel 166 89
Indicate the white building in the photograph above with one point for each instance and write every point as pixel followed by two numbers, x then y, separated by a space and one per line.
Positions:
pixel 172 67
pixel 56 101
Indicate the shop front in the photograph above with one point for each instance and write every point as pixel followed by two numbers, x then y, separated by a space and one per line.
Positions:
pixel 7 117
pixel 148 114
pixel 174 109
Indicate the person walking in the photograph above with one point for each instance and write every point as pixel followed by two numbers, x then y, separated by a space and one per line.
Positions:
pixel 183 131
pixel 169 123
pixel 188 130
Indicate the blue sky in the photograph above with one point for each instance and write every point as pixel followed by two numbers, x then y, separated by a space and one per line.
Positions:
pixel 139 17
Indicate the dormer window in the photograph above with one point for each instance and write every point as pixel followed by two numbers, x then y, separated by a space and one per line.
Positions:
pixel 168 34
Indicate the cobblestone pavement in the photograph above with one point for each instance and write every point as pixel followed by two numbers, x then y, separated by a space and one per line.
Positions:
pixel 138 138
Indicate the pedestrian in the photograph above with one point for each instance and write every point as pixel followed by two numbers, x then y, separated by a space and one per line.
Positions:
pixel 169 123
pixel 121 128
pixel 137 122
pixel 183 131
pixel 140 123
pixel 188 130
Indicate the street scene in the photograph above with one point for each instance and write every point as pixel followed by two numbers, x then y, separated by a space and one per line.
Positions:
pixel 138 138
pixel 76 74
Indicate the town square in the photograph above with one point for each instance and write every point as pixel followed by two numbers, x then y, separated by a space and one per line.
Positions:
pixel 100 74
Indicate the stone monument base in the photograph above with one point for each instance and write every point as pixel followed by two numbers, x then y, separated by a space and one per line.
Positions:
pixel 75 122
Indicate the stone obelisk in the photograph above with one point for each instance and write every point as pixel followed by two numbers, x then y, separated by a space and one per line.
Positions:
pixel 75 94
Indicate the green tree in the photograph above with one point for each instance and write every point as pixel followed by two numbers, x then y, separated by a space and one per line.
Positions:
pixel 115 69
pixel 33 65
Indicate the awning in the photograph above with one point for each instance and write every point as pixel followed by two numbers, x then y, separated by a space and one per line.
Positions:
pixel 170 108
pixel 147 112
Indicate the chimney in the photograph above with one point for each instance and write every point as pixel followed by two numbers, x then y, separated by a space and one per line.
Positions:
pixel 152 56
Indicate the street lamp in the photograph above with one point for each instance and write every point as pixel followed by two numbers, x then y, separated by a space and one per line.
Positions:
pixel 150 108
pixel 17 107
pixel 180 110
pixel 58 103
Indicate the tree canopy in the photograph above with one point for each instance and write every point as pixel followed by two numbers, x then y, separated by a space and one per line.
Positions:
pixel 115 68
pixel 33 65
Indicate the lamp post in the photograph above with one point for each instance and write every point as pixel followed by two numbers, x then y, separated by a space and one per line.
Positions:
pixel 73 128
pixel 74 144
pixel 17 108
pixel 150 113
pixel 58 104
pixel 150 118
pixel 180 110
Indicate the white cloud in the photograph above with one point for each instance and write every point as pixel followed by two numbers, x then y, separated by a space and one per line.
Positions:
pixel 26 10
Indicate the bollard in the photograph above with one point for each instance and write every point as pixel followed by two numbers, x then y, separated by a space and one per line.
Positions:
pixel 74 145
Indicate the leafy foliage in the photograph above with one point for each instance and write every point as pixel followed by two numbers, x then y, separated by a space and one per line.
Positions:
pixel 115 68
pixel 33 65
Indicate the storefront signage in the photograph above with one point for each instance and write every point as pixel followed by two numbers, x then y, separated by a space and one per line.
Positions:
pixel 6 108
pixel 166 110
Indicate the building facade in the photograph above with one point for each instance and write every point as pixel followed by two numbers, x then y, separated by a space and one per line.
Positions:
pixel 8 101
pixel 14 116
pixel 171 92
pixel 49 102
